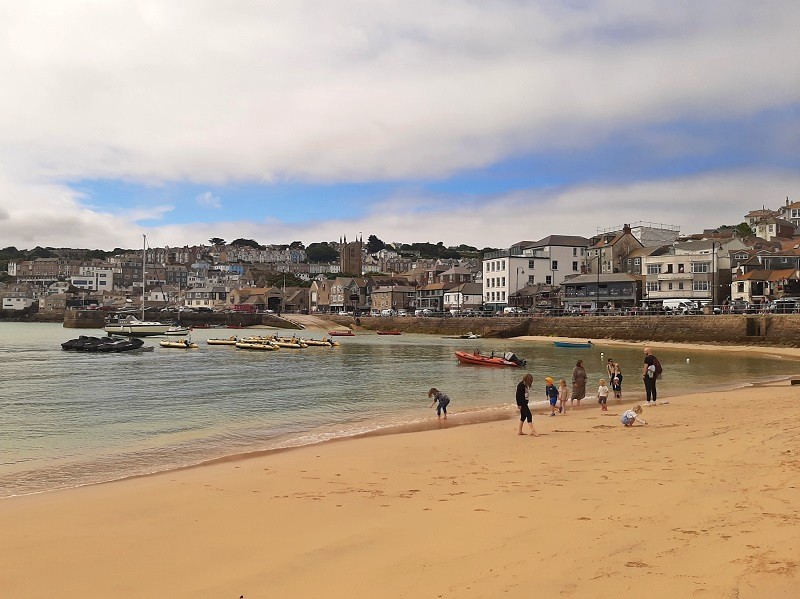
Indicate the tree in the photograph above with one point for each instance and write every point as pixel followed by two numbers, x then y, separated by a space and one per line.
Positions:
pixel 247 243
pixel 321 252
pixel 297 245
pixel 744 230
pixel 374 244
pixel 216 241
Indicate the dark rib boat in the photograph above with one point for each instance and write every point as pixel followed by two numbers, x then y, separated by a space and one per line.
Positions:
pixel 102 344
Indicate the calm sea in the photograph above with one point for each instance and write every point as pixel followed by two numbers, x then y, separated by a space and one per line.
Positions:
pixel 77 418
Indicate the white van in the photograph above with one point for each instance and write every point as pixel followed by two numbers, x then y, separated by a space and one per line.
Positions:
pixel 681 306
pixel 388 313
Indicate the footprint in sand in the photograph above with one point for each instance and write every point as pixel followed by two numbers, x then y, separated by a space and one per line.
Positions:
pixel 636 564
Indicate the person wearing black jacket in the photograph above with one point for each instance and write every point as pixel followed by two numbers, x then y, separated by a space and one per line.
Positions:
pixel 523 390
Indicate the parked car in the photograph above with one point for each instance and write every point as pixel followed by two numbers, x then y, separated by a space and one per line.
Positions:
pixel 786 305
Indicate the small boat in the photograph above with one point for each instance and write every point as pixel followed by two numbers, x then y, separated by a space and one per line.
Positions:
pixel 574 344
pixel 388 332
pixel 133 327
pixel 347 333
pixel 177 330
pixel 228 341
pixel 107 344
pixel 180 344
pixel 262 345
pixel 469 335
pixel 507 359
pixel 324 342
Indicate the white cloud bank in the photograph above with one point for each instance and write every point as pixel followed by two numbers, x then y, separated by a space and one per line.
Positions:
pixel 209 92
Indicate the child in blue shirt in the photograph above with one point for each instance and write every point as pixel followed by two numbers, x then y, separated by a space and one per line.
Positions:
pixel 551 391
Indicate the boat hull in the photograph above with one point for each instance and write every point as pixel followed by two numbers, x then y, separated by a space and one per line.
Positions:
pixel 389 333
pixel 480 360
pixel 572 344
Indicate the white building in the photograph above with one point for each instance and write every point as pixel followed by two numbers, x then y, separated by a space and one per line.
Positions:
pixel 93 278
pixel 548 261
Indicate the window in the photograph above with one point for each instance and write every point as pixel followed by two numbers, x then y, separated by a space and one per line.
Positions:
pixel 503 296
pixel 653 286
pixel 637 261
pixel 740 287
pixel 531 264
pixel 680 284
pixel 493 265
pixel 554 265
pixel 669 286
pixel 502 281
pixel 574 267
pixel 653 269
pixel 488 265
pixel 574 251
pixel 700 266
pixel 700 285
pixel 530 279
pixel 548 280
pixel 502 265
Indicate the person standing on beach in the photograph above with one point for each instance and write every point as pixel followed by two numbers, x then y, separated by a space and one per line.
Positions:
pixel 602 395
pixel 523 390
pixel 578 382
pixel 615 376
pixel 441 399
pixel 649 375
pixel 563 396
pixel 551 391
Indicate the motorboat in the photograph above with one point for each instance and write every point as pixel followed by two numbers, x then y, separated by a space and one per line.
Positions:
pixel 469 335
pixel 228 341
pixel 179 344
pixel 129 325
pixel 389 332
pixel 574 344
pixel 506 359
pixel 347 333
pixel 178 330
pixel 262 345
pixel 105 344
pixel 324 342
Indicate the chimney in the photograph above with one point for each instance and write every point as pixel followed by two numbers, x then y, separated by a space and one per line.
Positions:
pixel 626 228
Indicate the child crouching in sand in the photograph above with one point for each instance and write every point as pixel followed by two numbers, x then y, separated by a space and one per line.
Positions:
pixel 441 399
pixel 630 416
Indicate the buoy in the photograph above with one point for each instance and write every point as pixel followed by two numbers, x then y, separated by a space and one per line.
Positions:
pixel 687 360
pixel 601 354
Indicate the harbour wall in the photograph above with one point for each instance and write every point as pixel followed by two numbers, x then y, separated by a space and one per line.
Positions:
pixel 95 319
pixel 736 329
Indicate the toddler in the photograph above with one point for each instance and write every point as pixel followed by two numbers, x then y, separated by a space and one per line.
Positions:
pixel 563 396
pixel 551 391
pixel 602 395
pixel 441 399
pixel 630 416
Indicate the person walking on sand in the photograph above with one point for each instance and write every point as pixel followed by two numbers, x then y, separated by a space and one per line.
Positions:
pixel 441 399
pixel 602 395
pixel 551 391
pixel 630 416
pixel 523 390
pixel 563 396
pixel 578 382
pixel 649 375
pixel 615 376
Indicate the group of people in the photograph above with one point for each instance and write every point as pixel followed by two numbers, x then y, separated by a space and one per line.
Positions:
pixel 558 396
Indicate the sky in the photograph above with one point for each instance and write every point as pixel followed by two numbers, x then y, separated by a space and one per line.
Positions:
pixel 482 123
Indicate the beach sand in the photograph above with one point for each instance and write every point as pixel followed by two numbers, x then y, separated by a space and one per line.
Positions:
pixel 702 502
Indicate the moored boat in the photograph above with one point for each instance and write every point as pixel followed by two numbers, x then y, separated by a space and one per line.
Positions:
pixel 507 359
pixel 347 333
pixel 261 345
pixel 179 344
pixel 577 344
pixel 324 342
pixel 131 326
pixel 177 330
pixel 106 344
pixel 228 341
pixel 389 332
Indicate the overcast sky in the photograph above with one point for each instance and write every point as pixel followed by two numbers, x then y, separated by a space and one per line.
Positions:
pixel 482 123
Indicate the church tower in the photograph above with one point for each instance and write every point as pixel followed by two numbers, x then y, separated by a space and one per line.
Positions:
pixel 350 260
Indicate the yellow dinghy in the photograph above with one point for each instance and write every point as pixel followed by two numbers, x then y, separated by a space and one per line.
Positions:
pixel 320 342
pixel 256 345
pixel 179 344
pixel 228 341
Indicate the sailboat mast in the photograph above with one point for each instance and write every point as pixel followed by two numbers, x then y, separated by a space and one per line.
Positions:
pixel 144 268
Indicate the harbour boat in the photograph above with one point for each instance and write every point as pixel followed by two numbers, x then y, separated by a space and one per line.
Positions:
pixel 228 341
pixel 469 335
pixel 324 342
pixel 178 330
pixel 264 346
pixel 388 332
pixel 347 333
pixel 179 344
pixel 107 344
pixel 574 344
pixel 131 326
pixel 507 359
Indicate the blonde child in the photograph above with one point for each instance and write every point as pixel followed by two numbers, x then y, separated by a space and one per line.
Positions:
pixel 602 395
pixel 563 396
pixel 551 391
pixel 629 417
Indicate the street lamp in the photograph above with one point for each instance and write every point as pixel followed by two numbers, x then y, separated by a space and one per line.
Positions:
pixel 597 291
pixel 713 275
pixel 516 290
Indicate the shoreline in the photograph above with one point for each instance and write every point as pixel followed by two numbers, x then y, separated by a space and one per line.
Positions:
pixel 701 500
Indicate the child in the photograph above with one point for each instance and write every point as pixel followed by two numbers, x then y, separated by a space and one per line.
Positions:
pixel 551 391
pixel 563 396
pixel 602 395
pixel 442 400
pixel 630 416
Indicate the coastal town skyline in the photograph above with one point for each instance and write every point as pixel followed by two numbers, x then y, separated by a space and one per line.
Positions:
pixel 455 122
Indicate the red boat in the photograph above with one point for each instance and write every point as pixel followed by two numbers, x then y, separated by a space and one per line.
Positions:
pixel 507 359
pixel 341 333
pixel 388 332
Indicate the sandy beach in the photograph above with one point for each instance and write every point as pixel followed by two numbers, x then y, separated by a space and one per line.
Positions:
pixel 701 502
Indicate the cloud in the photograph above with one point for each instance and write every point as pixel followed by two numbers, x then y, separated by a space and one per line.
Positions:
pixel 208 200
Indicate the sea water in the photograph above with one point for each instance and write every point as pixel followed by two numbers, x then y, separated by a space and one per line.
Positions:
pixel 69 419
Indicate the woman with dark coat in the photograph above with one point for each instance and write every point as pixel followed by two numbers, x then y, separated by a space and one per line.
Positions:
pixel 578 382
pixel 523 390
